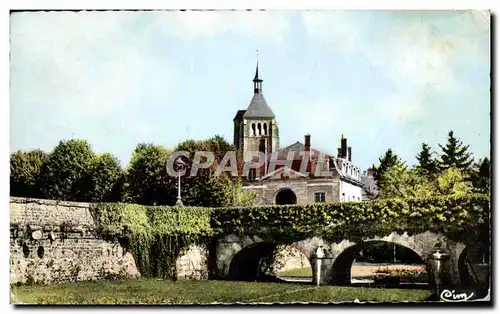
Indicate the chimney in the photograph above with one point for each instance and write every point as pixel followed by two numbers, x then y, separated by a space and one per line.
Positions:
pixel 307 142
pixel 343 146
pixel 349 153
pixel 370 172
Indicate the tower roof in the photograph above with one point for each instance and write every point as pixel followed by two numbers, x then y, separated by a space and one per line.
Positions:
pixel 258 108
pixel 256 78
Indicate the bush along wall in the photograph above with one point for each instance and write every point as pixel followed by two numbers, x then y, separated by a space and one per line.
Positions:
pixel 157 235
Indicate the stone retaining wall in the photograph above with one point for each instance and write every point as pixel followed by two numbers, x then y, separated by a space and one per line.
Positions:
pixel 55 241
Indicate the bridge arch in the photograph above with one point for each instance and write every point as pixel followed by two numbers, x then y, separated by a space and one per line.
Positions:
pixel 256 262
pixel 341 268
pixel 473 264
pixel 238 256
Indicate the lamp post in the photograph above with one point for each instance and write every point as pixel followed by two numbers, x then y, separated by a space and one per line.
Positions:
pixel 180 165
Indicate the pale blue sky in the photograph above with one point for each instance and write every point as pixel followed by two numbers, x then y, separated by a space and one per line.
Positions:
pixel 383 79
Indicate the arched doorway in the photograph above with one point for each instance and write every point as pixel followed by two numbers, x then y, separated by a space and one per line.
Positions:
pixel 285 197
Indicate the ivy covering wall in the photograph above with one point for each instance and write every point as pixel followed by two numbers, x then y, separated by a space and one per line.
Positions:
pixel 156 235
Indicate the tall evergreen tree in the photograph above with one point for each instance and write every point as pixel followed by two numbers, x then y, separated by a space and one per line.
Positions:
pixel 387 161
pixel 455 154
pixel 481 177
pixel 427 165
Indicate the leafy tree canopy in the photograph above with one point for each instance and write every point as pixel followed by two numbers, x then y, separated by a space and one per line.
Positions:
pixel 106 179
pixel 25 168
pixel 402 182
pixel 64 175
pixel 146 179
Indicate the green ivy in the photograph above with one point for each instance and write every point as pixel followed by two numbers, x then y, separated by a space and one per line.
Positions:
pixel 455 216
pixel 157 235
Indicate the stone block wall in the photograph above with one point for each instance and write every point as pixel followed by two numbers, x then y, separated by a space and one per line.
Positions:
pixel 53 241
pixel 193 263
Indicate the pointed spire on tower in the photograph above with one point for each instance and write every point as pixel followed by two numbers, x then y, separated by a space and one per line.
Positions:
pixel 256 78
pixel 257 82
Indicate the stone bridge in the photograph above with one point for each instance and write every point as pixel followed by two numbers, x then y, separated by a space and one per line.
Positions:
pixel 237 256
pixel 53 241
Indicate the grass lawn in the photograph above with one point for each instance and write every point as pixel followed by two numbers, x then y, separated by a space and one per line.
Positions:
pixel 154 291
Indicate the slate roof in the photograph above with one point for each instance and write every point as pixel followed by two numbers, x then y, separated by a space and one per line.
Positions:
pixel 298 147
pixel 258 108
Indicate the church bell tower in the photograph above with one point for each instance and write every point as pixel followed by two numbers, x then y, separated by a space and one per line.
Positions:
pixel 256 128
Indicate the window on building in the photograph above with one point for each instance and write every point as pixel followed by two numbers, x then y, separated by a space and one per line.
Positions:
pixel 259 128
pixel 319 197
pixel 265 128
pixel 253 129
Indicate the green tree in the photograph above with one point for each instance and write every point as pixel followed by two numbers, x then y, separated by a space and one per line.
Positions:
pixel 106 179
pixel 64 176
pixel 386 162
pixel 427 165
pixel 219 146
pixel 452 181
pixel 401 182
pixel 242 197
pixel 149 183
pixel 25 168
pixel 191 146
pixel 208 189
pixel 146 179
pixel 205 189
pixel 481 176
pixel 455 154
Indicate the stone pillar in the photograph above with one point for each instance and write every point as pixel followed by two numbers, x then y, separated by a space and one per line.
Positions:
pixel 439 269
pixel 325 264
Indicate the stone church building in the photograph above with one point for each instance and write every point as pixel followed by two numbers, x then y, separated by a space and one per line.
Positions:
pixel 256 130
